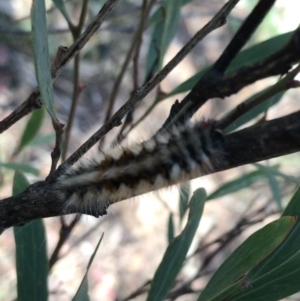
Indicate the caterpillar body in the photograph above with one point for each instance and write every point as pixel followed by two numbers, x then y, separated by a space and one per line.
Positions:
pixel 174 156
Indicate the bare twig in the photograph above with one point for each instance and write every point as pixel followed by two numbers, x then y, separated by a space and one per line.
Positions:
pixel 33 102
pixel 135 70
pixel 135 40
pixel 76 31
pixel 64 234
pixel 55 154
pixel 141 290
pixel 138 95
pixel 212 85
pixel 66 230
pixel 287 82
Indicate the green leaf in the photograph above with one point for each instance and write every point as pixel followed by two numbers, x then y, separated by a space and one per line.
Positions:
pixel 273 184
pixel 61 6
pixel 237 184
pixel 262 107
pixel 32 127
pixel 275 190
pixel 82 292
pixel 164 31
pixel 176 252
pixel 184 2
pixel 184 198
pixel 246 57
pixel 158 16
pixel 45 139
pixel 250 253
pixel 276 172
pixel 41 56
pixel 288 248
pixel 171 22
pixel 20 183
pixel 21 167
pixel 293 207
pixel 171 231
pixel 275 285
pixel 31 255
pixel 154 50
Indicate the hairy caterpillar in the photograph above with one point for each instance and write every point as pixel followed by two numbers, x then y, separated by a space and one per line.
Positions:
pixel 176 155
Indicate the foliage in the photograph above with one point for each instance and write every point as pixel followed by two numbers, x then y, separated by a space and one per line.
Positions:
pixel 263 267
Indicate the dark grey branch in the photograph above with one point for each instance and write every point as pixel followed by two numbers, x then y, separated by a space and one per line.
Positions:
pixel 260 142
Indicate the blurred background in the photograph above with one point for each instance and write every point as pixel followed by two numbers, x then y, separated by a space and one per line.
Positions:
pixel 135 231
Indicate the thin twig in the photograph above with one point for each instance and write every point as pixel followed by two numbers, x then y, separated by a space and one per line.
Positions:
pixel 55 154
pixel 76 31
pixel 138 95
pixel 66 230
pixel 64 234
pixel 211 86
pixel 287 82
pixel 141 290
pixel 33 102
pixel 225 10
pixel 118 81
pixel 135 70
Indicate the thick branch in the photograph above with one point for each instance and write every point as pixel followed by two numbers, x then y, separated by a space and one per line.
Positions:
pixel 262 141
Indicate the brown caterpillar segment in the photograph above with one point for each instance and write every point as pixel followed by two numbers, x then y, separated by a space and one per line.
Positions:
pixel 175 156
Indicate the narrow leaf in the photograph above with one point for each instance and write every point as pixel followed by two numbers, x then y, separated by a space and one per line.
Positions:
pixel 274 170
pixel 21 167
pixel 176 252
pixel 275 190
pixel 276 285
pixel 288 248
pixel 171 22
pixel 61 6
pixel 41 56
pixel 82 292
pixel 262 107
pixel 20 183
pixel 171 231
pixel 293 207
pixel 273 184
pixel 247 57
pixel 32 128
pixel 31 255
pixel 45 139
pixel 167 18
pixel 250 253
pixel 237 184
pixel 185 190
